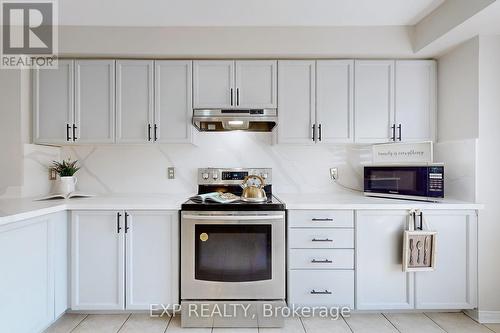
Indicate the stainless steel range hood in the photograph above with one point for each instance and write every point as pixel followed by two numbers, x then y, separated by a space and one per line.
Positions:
pixel 218 120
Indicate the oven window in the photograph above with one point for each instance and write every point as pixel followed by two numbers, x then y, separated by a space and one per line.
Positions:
pixel 233 253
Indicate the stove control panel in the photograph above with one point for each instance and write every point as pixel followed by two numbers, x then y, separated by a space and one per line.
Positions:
pixel 231 176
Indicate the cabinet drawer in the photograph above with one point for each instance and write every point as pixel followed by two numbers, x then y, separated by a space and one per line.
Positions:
pixel 321 238
pixel 321 218
pixel 321 259
pixel 321 288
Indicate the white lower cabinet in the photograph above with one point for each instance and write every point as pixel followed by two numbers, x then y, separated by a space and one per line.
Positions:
pixel 152 245
pixel 124 259
pixel 98 254
pixel 382 285
pixel 453 285
pixel 321 258
pixel 31 265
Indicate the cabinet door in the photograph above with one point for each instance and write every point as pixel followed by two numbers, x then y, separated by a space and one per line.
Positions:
pixel 374 100
pixel 213 84
pixel 134 101
pixel 95 101
pixel 416 99
pixel 334 100
pixel 152 247
pixel 97 269
pixel 296 101
pixel 453 284
pixel 256 82
pixel 53 106
pixel 173 98
pixel 27 276
pixel 380 282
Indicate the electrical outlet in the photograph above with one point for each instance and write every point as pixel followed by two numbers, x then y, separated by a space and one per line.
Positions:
pixel 52 174
pixel 171 173
pixel 334 174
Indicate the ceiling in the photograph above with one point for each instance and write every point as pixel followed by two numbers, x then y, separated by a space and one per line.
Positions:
pixel 167 13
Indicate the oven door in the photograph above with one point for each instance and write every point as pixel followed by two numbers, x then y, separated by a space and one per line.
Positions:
pixel 232 255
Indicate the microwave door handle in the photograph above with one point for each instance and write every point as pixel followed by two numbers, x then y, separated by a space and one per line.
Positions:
pixel 233 217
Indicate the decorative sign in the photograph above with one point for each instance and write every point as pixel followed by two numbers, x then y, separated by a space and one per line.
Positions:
pixel 389 153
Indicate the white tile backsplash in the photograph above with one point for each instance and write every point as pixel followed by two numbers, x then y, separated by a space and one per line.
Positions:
pixel 143 168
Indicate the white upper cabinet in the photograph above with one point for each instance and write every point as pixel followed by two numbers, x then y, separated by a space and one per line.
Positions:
pixel 213 84
pixel 453 284
pixel 95 101
pixel 256 84
pixel 380 282
pixel 173 101
pixel 335 100
pixel 296 101
pixel 415 100
pixel 97 248
pixel 134 101
pixel 53 104
pixel 374 100
pixel 152 247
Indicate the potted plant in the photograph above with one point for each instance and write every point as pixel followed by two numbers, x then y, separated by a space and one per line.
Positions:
pixel 66 170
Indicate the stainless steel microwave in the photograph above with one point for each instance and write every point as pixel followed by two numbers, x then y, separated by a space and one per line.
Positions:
pixel 414 182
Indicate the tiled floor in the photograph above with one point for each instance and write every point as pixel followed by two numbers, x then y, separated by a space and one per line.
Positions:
pixel 356 323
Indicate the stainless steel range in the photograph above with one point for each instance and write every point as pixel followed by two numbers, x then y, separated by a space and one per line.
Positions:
pixel 232 252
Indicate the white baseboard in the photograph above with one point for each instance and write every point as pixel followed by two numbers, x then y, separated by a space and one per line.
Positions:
pixel 484 317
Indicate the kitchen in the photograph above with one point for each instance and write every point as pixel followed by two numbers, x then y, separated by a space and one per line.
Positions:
pixel 292 119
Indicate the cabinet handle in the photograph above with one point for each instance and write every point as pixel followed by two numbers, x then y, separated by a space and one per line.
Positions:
pixel 399 128
pixel 126 222
pixel 326 261
pixel 74 132
pixel 231 92
pixel 319 129
pixel 393 127
pixel 156 128
pixel 324 292
pixel 314 133
pixel 118 227
pixel 315 219
pixel 322 240
pixel 149 132
pixel 67 132
pixel 237 96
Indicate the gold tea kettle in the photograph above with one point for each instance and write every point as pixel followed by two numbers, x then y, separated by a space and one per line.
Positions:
pixel 253 192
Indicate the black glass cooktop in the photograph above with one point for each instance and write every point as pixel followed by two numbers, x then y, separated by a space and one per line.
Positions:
pixel 272 204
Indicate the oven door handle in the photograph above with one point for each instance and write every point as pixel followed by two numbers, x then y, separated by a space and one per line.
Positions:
pixel 233 217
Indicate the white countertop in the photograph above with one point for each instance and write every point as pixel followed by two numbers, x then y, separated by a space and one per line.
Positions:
pixel 352 200
pixel 12 210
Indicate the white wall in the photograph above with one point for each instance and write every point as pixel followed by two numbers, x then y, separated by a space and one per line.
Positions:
pixel 458 92
pixel 10 126
pixel 132 169
pixel 469 138
pixel 488 181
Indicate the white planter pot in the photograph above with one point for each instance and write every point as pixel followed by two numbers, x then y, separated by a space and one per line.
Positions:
pixel 65 185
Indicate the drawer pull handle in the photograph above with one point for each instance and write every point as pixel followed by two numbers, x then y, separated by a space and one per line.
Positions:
pixel 326 261
pixel 322 240
pixel 324 292
pixel 327 219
